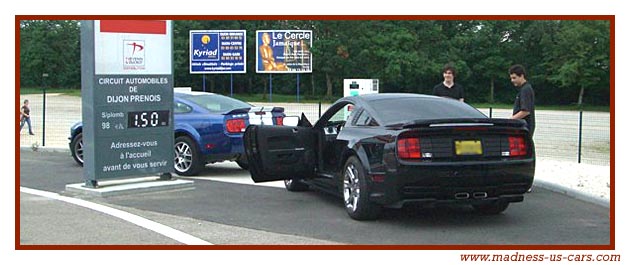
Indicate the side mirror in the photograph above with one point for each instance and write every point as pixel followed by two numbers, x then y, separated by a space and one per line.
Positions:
pixel 291 121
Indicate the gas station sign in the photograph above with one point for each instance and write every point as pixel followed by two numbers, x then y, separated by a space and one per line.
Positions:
pixel 127 98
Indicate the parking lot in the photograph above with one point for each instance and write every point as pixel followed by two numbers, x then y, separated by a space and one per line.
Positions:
pixel 266 215
pixel 225 213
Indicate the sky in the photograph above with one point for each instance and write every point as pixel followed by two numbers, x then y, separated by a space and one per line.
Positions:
pixel 282 7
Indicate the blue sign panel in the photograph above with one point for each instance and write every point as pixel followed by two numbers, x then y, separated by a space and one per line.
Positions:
pixel 284 51
pixel 217 51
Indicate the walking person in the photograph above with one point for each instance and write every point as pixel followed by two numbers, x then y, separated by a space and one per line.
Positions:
pixel 524 107
pixel 448 88
pixel 25 117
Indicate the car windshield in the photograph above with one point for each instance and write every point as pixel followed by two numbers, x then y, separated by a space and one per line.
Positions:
pixel 216 103
pixel 401 110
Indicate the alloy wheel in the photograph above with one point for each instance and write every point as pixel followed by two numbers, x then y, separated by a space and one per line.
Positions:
pixel 78 150
pixel 183 156
pixel 351 188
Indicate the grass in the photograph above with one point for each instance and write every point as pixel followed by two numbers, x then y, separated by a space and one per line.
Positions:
pixel 281 98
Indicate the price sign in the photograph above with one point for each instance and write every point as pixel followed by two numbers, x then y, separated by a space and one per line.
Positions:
pixel 148 119
pixel 127 97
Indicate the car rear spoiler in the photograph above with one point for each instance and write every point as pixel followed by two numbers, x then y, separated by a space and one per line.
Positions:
pixel 237 111
pixel 254 109
pixel 459 123
pixel 266 109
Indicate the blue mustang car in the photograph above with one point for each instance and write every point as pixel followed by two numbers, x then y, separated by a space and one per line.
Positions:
pixel 208 129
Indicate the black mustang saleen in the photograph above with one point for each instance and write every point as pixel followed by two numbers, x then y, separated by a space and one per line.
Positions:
pixel 385 150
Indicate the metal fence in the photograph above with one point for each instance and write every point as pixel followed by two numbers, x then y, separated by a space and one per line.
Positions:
pixel 582 137
pixel 61 112
pixel 579 136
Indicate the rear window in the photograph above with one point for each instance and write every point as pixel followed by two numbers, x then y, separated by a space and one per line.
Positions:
pixel 217 103
pixel 401 110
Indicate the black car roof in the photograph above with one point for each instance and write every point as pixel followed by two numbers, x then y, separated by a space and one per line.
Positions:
pixel 373 97
pixel 368 101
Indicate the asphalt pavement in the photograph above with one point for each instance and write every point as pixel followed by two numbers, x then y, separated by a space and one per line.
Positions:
pixel 222 213
pixel 47 221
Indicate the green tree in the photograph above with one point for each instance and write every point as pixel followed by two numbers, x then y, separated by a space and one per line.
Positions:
pixel 52 47
pixel 580 56
pixel 566 59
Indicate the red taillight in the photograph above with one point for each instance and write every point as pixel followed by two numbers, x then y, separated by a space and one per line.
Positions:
pixel 235 125
pixel 279 120
pixel 409 148
pixel 517 146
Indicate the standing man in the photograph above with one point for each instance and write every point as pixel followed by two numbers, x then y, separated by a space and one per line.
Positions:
pixel 524 103
pixel 448 88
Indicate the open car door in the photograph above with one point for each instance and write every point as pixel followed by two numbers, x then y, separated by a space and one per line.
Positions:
pixel 280 152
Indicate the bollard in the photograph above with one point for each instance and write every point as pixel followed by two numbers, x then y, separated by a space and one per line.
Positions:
pixel 580 139
pixel 319 114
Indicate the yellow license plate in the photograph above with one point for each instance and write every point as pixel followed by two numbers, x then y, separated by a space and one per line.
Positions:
pixel 468 147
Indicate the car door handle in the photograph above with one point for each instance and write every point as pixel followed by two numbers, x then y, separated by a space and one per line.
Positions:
pixel 294 130
pixel 286 150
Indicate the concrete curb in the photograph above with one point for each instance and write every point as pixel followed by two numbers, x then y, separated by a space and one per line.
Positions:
pixel 109 188
pixel 580 195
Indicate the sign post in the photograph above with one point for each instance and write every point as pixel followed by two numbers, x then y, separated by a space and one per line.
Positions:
pixel 127 98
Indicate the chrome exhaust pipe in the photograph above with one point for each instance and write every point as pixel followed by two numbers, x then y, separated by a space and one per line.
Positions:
pixel 462 195
pixel 480 195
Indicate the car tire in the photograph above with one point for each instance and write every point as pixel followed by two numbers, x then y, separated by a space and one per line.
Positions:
pixel 188 160
pixel 295 185
pixel 491 208
pixel 355 192
pixel 242 162
pixel 76 148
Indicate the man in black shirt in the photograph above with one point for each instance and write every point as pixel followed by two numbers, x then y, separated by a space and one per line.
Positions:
pixel 524 102
pixel 448 88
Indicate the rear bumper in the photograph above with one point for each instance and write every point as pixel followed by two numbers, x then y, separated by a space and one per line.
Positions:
pixel 226 147
pixel 443 184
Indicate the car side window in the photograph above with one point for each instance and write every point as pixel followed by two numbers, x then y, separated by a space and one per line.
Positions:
pixel 342 114
pixel 364 119
pixel 181 108
pixel 338 120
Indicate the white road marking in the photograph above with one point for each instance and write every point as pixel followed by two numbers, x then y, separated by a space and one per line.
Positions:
pixel 132 218
pixel 230 172
pixel 241 180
